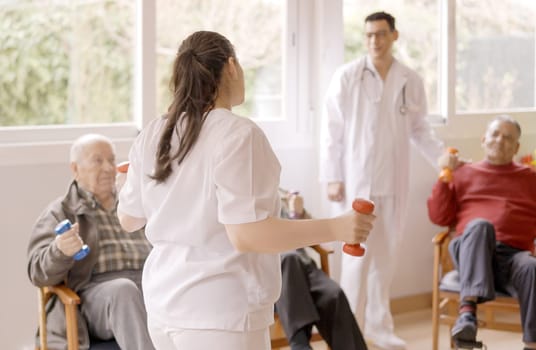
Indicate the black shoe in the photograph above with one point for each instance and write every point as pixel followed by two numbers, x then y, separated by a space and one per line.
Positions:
pixel 465 328
pixel 300 340
pixel 294 346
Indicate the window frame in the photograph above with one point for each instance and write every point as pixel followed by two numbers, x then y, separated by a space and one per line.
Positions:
pixel 313 48
pixel 48 143
pixel 448 70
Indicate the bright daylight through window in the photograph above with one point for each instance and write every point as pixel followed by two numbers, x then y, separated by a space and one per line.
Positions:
pixel 66 62
pixel 494 51
pixel 255 29
pixel 495 55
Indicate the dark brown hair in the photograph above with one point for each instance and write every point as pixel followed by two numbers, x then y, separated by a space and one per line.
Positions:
pixel 382 16
pixel 196 76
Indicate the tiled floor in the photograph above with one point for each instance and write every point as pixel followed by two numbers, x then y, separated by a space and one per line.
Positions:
pixel 416 329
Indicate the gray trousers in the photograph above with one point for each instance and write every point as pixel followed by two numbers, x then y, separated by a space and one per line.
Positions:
pixel 486 265
pixel 113 308
pixel 310 297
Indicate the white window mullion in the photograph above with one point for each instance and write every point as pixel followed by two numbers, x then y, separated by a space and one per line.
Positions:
pixel 290 61
pixel 145 71
pixel 447 81
pixel 295 128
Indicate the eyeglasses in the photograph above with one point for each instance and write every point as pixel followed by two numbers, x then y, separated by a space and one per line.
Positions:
pixel 380 34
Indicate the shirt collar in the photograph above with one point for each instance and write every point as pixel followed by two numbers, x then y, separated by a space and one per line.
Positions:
pixel 89 199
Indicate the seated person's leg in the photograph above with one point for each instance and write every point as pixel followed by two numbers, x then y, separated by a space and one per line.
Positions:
pixel 295 307
pixel 473 255
pixel 114 309
pixel 301 339
pixel 523 276
pixel 336 324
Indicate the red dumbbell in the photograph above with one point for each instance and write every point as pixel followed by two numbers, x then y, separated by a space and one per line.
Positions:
pixel 123 167
pixel 362 206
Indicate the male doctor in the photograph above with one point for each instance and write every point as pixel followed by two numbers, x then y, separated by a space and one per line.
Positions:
pixel 374 107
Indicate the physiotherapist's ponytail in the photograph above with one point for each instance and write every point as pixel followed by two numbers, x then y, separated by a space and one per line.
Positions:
pixel 196 76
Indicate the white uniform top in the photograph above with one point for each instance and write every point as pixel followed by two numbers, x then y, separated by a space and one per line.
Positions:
pixel 193 277
pixel 367 128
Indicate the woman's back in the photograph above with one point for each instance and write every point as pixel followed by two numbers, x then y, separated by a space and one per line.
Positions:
pixel 219 182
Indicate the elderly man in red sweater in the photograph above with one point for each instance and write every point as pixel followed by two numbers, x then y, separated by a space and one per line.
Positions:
pixel 492 203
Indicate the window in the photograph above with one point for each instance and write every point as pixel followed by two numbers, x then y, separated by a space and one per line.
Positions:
pixel 254 27
pixel 76 66
pixel 495 55
pixel 66 62
pixel 418 43
pixel 474 56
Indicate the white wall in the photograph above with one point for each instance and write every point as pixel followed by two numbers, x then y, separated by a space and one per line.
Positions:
pixel 25 190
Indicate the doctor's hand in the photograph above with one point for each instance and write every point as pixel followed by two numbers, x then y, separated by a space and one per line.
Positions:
pixel 336 191
pixel 69 242
pixel 353 227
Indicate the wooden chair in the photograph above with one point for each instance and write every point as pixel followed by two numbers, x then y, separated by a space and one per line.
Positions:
pixel 446 299
pixel 277 334
pixel 70 301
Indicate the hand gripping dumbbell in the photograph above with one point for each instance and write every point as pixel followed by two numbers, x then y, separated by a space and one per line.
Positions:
pixel 65 226
pixel 446 173
pixel 362 206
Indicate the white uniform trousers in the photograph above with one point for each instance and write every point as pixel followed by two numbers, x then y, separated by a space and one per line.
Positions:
pixel 367 280
pixel 168 338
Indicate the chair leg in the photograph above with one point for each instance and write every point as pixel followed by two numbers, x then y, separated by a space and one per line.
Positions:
pixel 435 332
pixel 72 327
pixel 435 299
pixel 452 346
pixel 42 319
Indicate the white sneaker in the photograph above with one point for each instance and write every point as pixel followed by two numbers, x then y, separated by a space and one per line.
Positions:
pixel 387 342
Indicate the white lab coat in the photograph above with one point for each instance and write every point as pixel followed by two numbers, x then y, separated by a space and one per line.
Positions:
pixel 348 145
pixel 359 124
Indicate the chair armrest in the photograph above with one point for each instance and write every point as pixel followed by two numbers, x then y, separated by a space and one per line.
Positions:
pixel 440 237
pixel 324 257
pixel 321 250
pixel 66 295
pixel 70 300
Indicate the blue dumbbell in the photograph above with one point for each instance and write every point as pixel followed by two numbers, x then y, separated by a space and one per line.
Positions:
pixel 65 226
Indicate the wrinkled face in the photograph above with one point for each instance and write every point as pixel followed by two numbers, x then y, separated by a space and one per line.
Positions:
pixel 95 171
pixel 379 38
pixel 501 142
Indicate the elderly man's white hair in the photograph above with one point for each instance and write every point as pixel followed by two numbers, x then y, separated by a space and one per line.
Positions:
pixel 80 144
pixel 509 119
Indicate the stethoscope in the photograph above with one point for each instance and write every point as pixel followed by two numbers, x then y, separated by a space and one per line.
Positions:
pixel 403 108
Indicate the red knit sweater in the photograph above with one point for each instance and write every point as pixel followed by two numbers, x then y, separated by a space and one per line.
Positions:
pixel 505 195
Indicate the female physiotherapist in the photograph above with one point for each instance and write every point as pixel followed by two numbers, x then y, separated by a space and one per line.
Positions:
pixel 205 183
